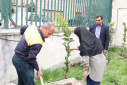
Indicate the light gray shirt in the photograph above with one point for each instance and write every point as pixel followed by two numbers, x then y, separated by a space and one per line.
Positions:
pixel 97 32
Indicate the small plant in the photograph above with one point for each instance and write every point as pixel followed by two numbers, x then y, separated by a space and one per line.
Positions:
pixel 29 7
pixel 111 24
pixel 124 36
pixel 113 49
pixel 63 24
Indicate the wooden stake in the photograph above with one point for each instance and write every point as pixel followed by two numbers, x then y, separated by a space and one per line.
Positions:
pixel 42 83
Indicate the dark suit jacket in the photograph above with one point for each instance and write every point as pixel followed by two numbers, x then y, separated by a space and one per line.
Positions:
pixel 104 35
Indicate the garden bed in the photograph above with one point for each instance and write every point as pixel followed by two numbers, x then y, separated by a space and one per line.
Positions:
pixel 116 70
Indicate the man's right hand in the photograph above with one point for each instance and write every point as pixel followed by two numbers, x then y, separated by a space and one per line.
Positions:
pixel 39 73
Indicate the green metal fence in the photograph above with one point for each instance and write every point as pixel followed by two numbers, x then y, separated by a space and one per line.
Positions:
pixel 37 12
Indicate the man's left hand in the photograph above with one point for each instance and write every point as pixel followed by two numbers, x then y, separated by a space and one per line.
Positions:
pixel 105 51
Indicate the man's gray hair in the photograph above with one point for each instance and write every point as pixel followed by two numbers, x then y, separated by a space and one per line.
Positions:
pixel 48 25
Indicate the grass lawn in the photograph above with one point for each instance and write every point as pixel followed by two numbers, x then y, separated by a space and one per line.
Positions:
pixel 116 70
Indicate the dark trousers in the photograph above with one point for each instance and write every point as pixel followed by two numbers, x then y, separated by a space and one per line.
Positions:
pixel 91 82
pixel 25 72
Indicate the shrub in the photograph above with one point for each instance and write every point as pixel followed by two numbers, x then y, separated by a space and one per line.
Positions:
pixel 29 7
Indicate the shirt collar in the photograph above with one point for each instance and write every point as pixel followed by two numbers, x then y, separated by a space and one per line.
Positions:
pixel 41 34
pixel 99 26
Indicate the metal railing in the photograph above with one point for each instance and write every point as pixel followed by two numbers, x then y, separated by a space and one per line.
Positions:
pixel 37 12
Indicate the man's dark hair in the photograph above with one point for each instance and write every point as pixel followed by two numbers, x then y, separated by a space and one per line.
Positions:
pixel 99 16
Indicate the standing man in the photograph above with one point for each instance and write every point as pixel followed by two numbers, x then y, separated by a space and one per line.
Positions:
pixel 101 31
pixel 27 49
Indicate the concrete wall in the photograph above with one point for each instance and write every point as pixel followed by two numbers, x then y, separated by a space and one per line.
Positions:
pixel 119 15
pixel 7 71
pixel 52 54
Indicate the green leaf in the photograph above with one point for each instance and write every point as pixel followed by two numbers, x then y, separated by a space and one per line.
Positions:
pixel 124 23
pixel 71 40
pixel 65 39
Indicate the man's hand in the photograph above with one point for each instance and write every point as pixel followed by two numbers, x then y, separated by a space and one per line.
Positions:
pixel 39 73
pixel 105 51
pixel 72 48
pixel 85 72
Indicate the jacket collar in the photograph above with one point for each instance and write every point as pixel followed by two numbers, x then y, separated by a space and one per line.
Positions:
pixel 41 34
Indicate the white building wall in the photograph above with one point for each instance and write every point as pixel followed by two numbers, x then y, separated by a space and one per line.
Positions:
pixel 119 15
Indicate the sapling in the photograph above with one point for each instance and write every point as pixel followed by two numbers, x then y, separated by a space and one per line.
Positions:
pixel 62 25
